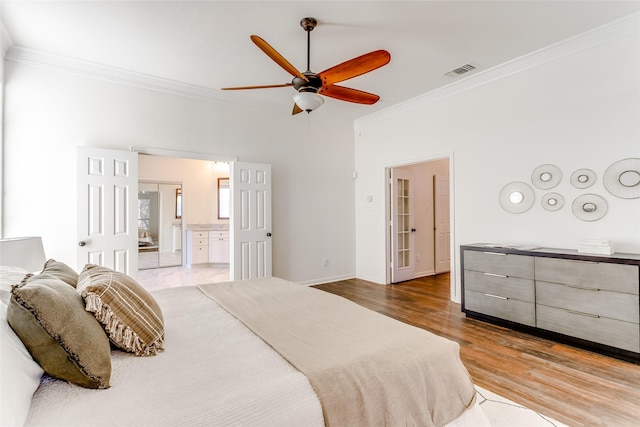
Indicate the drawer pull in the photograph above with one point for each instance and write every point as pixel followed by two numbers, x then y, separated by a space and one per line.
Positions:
pixel 495 275
pixel 595 316
pixel 494 253
pixel 584 288
pixel 495 296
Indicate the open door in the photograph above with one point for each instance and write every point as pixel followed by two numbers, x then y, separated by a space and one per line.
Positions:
pixel 442 224
pixel 250 247
pixel 402 229
pixel 107 209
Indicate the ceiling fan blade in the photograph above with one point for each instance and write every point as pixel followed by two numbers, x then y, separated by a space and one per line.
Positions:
pixel 279 59
pixel 351 95
pixel 355 67
pixel 256 87
pixel 296 109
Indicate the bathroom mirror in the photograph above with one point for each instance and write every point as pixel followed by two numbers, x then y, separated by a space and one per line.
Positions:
pixel 159 225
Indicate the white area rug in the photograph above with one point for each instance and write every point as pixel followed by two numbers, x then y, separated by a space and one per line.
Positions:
pixel 503 412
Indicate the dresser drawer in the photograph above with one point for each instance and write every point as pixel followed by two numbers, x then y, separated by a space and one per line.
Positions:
pixel 614 305
pixel 498 263
pixel 602 330
pixel 503 308
pixel 200 235
pixel 200 254
pixel 200 242
pixel 505 286
pixel 220 235
pixel 606 276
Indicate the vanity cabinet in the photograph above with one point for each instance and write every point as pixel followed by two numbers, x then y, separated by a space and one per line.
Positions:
pixel 197 247
pixel 591 301
pixel 219 247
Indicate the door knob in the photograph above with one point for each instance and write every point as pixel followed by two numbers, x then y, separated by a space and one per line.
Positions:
pixel 413 230
pixel 268 234
pixel 81 243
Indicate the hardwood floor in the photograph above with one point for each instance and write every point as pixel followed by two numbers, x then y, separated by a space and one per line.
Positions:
pixel 574 386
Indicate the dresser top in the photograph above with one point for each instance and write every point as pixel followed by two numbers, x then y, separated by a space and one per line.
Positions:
pixel 618 258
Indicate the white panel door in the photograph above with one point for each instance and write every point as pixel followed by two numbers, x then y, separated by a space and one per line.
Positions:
pixel 402 231
pixel 442 241
pixel 250 250
pixel 107 209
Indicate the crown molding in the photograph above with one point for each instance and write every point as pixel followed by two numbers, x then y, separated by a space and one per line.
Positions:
pixel 611 31
pixel 5 40
pixel 94 70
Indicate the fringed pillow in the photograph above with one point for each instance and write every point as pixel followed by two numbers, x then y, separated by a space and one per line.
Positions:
pixel 49 317
pixel 128 313
pixel 61 271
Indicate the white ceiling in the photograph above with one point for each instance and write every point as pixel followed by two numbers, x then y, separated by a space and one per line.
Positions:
pixel 206 43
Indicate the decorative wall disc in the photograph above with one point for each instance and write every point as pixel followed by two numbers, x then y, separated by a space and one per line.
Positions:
pixel 589 207
pixel 517 197
pixel 552 201
pixel 622 178
pixel 583 178
pixel 545 177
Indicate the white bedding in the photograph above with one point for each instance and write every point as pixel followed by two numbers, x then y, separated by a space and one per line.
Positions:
pixel 213 372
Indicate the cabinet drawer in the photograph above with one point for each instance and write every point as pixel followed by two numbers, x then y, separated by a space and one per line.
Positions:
pixel 200 234
pixel 614 305
pixel 498 263
pixel 220 235
pixel 503 308
pixel 505 286
pixel 200 242
pixel 606 276
pixel 614 333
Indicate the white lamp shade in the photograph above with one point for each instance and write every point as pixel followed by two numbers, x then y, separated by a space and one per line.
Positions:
pixel 23 252
pixel 308 101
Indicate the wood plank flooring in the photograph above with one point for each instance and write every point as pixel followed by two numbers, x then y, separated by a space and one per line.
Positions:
pixel 574 386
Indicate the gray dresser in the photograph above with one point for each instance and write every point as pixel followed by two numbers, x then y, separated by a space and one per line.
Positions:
pixel 591 301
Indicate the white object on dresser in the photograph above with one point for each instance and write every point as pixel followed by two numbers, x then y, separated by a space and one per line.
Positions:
pixel 197 247
pixel 598 247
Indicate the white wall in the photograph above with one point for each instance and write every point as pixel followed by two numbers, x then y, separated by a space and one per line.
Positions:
pixel 579 111
pixel 49 113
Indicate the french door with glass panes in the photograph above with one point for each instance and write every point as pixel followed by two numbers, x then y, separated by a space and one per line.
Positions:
pixel 402 231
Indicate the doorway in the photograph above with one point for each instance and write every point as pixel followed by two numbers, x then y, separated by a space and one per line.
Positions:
pixel 418 218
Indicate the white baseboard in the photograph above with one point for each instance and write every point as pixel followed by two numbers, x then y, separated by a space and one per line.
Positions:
pixel 323 280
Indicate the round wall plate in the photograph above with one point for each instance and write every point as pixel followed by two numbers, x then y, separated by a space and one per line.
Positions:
pixel 583 178
pixel 552 201
pixel 546 177
pixel 589 207
pixel 622 178
pixel 517 197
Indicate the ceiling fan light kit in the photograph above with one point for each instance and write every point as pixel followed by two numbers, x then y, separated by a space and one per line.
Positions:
pixel 308 101
pixel 310 86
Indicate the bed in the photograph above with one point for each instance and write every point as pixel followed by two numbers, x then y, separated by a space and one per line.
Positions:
pixel 267 352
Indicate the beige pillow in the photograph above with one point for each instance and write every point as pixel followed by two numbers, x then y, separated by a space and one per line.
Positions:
pixel 61 271
pixel 49 317
pixel 129 314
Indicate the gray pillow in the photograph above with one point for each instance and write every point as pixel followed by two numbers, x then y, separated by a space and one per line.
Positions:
pixel 60 270
pixel 49 317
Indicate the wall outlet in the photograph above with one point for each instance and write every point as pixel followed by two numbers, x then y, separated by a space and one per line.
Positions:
pixel 325 262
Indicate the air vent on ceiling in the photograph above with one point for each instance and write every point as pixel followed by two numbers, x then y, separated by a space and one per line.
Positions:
pixel 460 70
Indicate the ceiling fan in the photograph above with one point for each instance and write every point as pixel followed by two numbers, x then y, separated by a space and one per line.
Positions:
pixel 310 85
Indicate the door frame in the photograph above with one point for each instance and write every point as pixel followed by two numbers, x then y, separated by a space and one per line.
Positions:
pixel 387 191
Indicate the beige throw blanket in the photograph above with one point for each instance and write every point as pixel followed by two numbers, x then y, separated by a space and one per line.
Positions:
pixel 367 369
